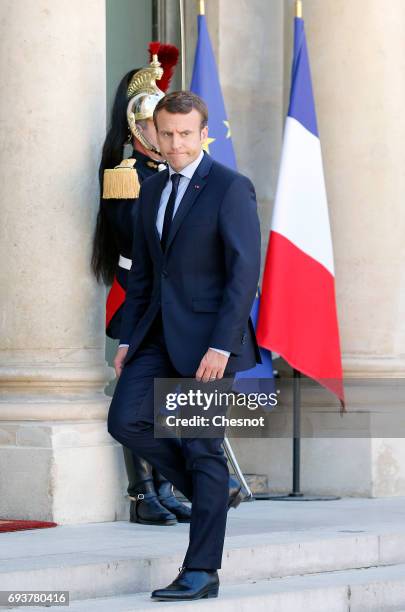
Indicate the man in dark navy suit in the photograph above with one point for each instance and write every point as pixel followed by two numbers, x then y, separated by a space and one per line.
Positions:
pixel 196 262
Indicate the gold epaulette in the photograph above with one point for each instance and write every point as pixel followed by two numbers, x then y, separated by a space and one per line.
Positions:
pixel 122 181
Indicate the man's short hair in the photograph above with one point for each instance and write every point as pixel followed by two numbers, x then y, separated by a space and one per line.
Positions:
pixel 182 102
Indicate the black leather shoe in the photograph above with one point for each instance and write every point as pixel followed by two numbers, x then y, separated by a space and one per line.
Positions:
pixel 169 501
pixel 147 510
pixel 236 493
pixel 190 584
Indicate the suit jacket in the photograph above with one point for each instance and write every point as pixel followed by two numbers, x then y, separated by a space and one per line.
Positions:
pixel 206 281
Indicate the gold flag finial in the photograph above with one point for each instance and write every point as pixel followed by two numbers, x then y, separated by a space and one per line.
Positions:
pixel 201 7
pixel 298 8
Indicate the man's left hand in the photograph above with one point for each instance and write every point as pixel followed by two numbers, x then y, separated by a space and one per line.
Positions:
pixel 212 366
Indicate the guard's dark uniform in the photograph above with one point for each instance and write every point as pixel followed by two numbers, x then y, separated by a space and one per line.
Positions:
pixel 120 214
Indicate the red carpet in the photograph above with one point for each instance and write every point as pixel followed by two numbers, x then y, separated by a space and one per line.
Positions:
pixel 10 525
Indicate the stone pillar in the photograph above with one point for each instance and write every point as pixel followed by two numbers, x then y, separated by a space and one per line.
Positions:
pixel 357 56
pixel 57 460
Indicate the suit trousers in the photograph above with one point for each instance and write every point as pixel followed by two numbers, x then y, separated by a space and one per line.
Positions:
pixel 196 466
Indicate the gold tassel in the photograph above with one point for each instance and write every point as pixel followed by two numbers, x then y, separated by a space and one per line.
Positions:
pixel 121 182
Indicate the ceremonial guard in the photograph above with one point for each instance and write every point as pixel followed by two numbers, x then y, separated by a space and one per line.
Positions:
pixel 152 498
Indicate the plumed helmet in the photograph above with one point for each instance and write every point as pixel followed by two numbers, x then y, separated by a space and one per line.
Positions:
pixel 143 93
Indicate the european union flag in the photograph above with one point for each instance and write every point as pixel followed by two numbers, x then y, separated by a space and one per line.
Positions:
pixel 205 83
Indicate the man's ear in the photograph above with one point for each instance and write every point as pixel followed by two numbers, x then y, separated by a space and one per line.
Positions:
pixel 204 133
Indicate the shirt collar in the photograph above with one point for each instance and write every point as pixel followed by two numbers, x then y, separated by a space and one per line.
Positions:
pixel 189 170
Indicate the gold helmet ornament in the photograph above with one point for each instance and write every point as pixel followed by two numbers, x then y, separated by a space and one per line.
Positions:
pixel 143 95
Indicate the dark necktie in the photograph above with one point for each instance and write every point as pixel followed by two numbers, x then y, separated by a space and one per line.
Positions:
pixel 169 210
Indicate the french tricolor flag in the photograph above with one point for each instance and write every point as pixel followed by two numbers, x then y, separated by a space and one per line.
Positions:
pixel 298 316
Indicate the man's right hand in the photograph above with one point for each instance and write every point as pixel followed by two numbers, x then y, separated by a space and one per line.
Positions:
pixel 119 360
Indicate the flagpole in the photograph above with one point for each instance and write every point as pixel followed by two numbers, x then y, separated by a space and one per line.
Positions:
pixel 298 8
pixel 296 435
pixel 182 46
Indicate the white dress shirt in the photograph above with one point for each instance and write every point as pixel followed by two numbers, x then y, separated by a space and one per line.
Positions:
pixel 186 176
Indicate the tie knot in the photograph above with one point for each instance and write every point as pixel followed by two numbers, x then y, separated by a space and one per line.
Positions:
pixel 175 179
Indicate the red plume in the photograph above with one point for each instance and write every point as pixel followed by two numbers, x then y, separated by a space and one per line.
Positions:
pixel 153 49
pixel 168 56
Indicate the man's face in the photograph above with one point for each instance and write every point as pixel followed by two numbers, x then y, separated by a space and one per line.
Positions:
pixel 180 137
pixel 149 131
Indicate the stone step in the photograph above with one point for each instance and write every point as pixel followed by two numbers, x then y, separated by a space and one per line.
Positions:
pixel 380 589
pixel 99 560
pixel 265 539
pixel 258 483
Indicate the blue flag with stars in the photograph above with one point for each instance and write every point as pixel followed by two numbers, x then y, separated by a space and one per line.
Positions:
pixel 205 83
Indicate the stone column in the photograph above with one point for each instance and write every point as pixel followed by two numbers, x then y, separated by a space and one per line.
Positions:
pixel 357 56
pixel 57 460
pixel 358 62
pixel 357 52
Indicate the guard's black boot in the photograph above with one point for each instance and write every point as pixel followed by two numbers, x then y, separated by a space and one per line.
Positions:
pixel 167 498
pixel 138 471
pixel 147 510
pixel 190 584
pixel 145 507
